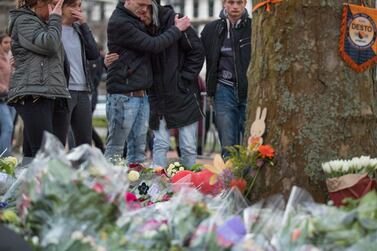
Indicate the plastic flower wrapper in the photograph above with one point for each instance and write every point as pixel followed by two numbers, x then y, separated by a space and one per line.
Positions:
pixel 338 229
pixel 228 202
pixel 296 224
pixel 55 202
pixel 166 225
pixel 97 173
pixel 226 226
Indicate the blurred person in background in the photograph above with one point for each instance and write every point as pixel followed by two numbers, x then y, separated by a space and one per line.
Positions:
pixel 227 46
pixel 79 46
pixel 97 68
pixel 174 95
pixel 38 86
pixel 7 113
pixel 131 75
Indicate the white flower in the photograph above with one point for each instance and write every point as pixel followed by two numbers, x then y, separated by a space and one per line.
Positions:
pixel 133 175
pixel 181 168
pixel 177 164
pixel 100 248
pixel 337 165
pixel 77 235
pixel 35 240
pixel 326 167
pixel 171 166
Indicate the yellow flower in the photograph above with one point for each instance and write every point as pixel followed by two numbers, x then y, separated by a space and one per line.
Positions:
pixel 11 160
pixel 133 176
pixel 9 216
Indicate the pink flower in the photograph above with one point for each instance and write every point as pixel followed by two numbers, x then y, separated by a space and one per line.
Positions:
pixel 150 203
pixel 165 197
pixel 130 197
pixel 98 187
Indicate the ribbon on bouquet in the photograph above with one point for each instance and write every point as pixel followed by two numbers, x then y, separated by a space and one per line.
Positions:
pixel 266 3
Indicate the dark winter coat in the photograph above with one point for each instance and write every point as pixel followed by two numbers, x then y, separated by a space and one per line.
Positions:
pixel 127 36
pixel 175 92
pixel 212 38
pixel 89 52
pixel 39 56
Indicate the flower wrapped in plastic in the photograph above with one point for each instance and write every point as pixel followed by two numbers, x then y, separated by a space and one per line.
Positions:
pixel 166 225
pixel 61 194
pixel 225 227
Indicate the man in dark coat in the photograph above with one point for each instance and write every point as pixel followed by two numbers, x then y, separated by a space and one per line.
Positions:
pixel 174 95
pixel 227 46
pixel 127 105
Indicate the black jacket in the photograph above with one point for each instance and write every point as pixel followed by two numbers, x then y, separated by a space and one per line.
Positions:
pixel 212 38
pixel 175 92
pixel 127 36
pixel 89 52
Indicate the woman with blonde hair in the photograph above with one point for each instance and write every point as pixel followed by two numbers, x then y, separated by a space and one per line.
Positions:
pixel 38 87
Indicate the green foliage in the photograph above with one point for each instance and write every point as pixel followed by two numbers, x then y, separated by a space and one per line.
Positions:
pixel 7 165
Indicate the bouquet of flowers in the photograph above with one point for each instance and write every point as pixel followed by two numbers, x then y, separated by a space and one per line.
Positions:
pixel 173 168
pixel 350 178
pixel 7 167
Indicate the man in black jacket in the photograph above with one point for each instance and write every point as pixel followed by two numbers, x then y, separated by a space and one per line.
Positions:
pixel 127 104
pixel 174 95
pixel 227 47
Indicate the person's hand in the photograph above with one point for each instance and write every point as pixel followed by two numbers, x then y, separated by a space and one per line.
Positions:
pixel 210 101
pixel 182 23
pixel 57 9
pixel 110 58
pixel 12 62
pixel 79 15
pixel 3 89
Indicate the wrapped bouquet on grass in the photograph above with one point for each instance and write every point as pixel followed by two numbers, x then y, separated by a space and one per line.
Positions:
pixel 350 178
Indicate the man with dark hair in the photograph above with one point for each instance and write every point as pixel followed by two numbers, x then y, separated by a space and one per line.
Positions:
pixel 127 105
pixel 227 47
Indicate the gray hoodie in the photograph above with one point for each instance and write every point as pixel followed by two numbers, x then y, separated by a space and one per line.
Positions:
pixel 38 55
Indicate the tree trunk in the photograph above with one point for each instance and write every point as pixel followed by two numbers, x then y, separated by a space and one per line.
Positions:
pixel 319 109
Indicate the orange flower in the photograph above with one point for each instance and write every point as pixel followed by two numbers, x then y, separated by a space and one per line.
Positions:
pixel 239 183
pixel 266 151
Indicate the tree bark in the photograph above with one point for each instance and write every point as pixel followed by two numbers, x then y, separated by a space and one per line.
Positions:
pixel 319 109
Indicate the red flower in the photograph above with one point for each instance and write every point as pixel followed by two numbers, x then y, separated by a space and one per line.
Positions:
pixel 239 183
pixel 136 166
pixel 130 197
pixel 98 187
pixel 266 151
pixel 165 197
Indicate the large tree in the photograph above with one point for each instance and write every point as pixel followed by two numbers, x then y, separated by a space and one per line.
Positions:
pixel 319 109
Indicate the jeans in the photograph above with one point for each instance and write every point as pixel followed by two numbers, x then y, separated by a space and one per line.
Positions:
pixel 229 116
pixel 128 119
pixel 7 116
pixel 187 144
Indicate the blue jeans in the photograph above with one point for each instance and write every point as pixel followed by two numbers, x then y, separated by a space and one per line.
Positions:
pixel 128 119
pixel 229 116
pixel 7 115
pixel 187 144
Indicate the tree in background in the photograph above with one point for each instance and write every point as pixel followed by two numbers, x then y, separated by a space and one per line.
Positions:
pixel 319 109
